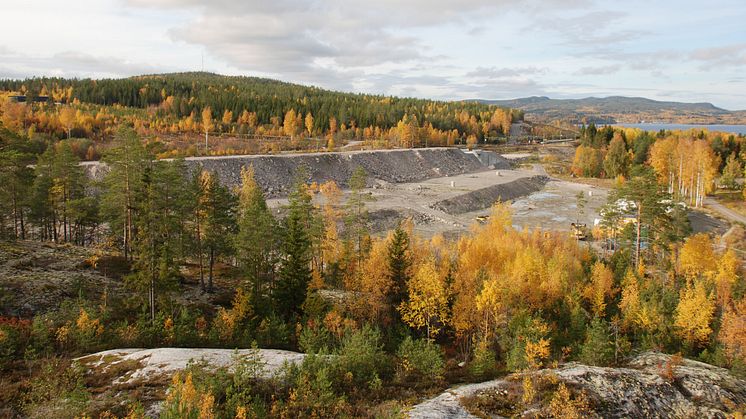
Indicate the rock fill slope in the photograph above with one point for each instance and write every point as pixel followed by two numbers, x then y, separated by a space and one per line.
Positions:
pixel 276 173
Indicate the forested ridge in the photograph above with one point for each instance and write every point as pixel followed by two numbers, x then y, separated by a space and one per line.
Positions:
pixel 186 104
pixel 192 92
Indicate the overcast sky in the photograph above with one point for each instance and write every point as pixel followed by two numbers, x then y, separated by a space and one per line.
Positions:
pixel 679 50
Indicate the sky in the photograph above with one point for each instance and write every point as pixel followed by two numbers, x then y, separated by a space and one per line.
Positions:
pixel 680 50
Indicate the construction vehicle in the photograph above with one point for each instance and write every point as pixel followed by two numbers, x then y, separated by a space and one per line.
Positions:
pixel 579 231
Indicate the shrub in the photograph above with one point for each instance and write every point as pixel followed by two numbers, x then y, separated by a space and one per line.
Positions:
pixel 14 337
pixel 482 365
pixel 315 338
pixel 361 358
pixel 247 384
pixel 420 360
pixel 598 348
pixel 273 332
pixel 185 401
pixel 313 394
pixel 529 344
pixel 57 391
pixel 565 404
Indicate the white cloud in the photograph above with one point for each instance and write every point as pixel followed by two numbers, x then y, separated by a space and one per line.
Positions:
pixel 446 49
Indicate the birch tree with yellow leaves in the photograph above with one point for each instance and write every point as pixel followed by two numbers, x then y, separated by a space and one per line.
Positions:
pixel 427 304
pixel 694 313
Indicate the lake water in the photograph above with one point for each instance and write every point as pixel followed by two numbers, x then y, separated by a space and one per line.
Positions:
pixel 735 129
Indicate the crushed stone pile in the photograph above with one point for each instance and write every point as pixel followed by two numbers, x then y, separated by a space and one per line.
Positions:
pixel 276 173
pixel 486 197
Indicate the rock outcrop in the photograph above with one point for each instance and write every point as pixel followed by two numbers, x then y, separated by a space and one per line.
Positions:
pixel 651 385
pixel 145 374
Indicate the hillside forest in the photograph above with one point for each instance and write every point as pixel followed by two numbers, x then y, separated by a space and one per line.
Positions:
pixel 386 318
pixel 191 114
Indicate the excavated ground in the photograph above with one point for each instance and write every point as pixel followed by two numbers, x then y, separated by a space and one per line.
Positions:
pixel 276 173
pixel 451 205
pixel 444 190
pixel 485 197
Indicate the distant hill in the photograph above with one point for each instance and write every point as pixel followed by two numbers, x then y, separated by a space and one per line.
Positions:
pixel 621 109
pixel 179 95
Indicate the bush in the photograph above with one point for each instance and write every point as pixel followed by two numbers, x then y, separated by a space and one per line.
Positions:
pixel 247 386
pixel 482 365
pixel 57 391
pixel 313 394
pixel 273 332
pixel 14 337
pixel 420 360
pixel 361 359
pixel 186 401
pixel 598 348
pixel 529 342
pixel 315 338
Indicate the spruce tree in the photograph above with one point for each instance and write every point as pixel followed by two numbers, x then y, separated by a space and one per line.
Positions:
pixel 295 272
pixel 598 348
pixel 256 240
pixel 398 265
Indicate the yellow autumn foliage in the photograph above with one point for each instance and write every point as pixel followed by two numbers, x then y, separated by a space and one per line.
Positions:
pixel 427 306
pixel 694 313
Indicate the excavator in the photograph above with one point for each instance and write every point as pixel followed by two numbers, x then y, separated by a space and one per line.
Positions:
pixel 579 231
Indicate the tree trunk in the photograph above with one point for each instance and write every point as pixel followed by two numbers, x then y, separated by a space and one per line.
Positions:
pixel 23 226
pixel 639 229
pixel 212 264
pixel 201 262
pixel 153 270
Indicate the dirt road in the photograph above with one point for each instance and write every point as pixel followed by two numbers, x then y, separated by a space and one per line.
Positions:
pixel 726 212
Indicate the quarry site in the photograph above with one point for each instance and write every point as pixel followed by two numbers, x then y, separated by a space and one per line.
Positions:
pixel 443 190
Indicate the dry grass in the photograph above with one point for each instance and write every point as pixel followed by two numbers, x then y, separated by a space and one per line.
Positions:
pixel 732 199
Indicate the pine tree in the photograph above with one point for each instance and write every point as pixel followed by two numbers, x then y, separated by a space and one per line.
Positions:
pixel 649 204
pixel 67 184
pixel 126 163
pixel 158 217
pixel 17 178
pixel 216 215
